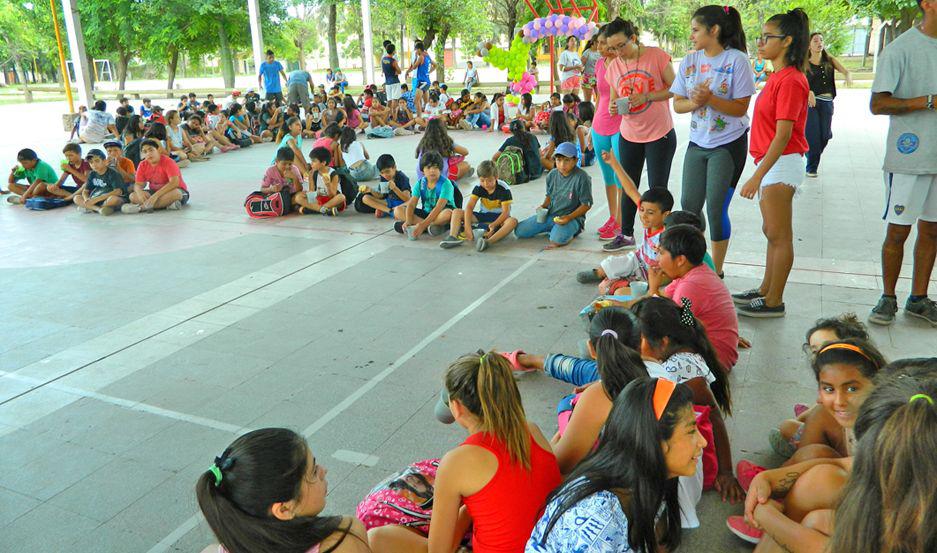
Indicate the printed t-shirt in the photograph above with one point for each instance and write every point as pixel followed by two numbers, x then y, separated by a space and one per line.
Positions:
pixel 712 305
pixel 594 524
pixel 908 69
pixel 271 73
pixel 680 367
pixel 567 59
pixel 99 184
pixel 492 202
pixel 784 98
pixel 603 122
pixel 568 193
pixel 729 77
pixel 647 252
pixel 428 197
pixel 272 177
pixel 157 176
pixel 652 120
pixel 320 185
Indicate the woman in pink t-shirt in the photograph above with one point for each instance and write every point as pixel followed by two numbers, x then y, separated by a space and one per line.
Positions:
pixel 605 136
pixel 643 75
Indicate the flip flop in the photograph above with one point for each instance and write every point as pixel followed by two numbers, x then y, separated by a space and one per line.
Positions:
pixel 512 359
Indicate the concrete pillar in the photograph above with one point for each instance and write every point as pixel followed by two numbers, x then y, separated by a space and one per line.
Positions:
pixel 368 45
pixel 257 37
pixel 76 46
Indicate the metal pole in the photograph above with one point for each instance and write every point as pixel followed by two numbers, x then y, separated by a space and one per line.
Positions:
pixel 368 45
pixel 58 40
pixel 257 37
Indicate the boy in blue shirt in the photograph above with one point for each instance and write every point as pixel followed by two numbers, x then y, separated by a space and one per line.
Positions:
pixel 268 77
pixel 436 196
pixel 391 192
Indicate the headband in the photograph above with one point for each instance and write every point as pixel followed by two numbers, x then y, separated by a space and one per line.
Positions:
pixel 921 396
pixel 847 347
pixel 611 332
pixel 662 392
pixel 686 314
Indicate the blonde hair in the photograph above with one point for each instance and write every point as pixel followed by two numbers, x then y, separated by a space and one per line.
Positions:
pixel 484 384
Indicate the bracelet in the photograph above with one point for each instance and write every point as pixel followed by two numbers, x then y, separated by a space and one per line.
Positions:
pixel 930 102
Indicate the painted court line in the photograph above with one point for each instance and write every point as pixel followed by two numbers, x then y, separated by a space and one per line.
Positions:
pixel 334 412
pixel 355 458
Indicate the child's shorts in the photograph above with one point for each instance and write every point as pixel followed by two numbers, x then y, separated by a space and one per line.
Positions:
pixel 484 218
pixel 393 202
pixel 789 169
pixel 322 200
pixel 624 267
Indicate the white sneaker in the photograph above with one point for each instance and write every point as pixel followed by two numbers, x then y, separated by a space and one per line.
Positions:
pixel 174 206
pixel 130 208
pixel 83 209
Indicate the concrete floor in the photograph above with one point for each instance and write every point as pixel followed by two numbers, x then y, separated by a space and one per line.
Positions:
pixel 134 348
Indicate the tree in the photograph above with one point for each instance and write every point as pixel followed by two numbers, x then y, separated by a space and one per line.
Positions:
pixel 505 14
pixel 112 27
pixel 898 16
pixel 15 40
pixel 302 31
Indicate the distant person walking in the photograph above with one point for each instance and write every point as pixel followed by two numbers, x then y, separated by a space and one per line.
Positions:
pixel 268 77
pixel 822 81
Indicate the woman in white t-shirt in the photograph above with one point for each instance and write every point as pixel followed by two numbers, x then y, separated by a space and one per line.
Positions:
pixel 570 66
pixel 356 157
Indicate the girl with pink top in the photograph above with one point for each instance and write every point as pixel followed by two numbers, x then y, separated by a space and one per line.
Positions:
pixel 605 136
pixel 640 76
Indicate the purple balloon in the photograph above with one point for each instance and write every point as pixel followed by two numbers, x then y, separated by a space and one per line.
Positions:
pixel 564 29
pixel 564 20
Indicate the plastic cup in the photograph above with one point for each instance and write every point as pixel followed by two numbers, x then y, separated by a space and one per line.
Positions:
pixel 638 289
pixel 542 214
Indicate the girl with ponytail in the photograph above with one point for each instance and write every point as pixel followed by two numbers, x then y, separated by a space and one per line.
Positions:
pixel 501 473
pixel 778 146
pixel 265 493
pixel 715 84
pixel 623 496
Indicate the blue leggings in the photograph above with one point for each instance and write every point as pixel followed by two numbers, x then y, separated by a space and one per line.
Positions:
pixel 601 143
pixel 573 370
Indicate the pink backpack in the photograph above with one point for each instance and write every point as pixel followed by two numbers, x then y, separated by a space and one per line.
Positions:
pixel 404 499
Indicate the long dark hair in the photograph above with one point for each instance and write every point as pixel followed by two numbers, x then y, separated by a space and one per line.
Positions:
pixel 519 130
pixel 157 131
pixel 527 100
pixel 662 318
pixel 629 462
pixel 484 384
pixel 615 334
pixel 888 505
pixel 436 139
pixel 824 56
pixel 134 128
pixel 348 138
pixel 259 469
pixel 868 360
pixel 796 25
pixel 729 20
pixel 559 129
pixel 349 104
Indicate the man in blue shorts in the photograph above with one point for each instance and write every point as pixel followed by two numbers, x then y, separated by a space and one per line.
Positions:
pixel 423 64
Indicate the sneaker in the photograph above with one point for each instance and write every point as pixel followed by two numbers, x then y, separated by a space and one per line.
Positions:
pixel 15 200
pixel 620 242
pixel 481 244
pixel 740 528
pixel 588 277
pixel 746 471
pixel 746 297
pixel 812 175
pixel 884 311
pixel 450 242
pixel 436 230
pixel 130 208
pixel 759 309
pixel 330 211
pixel 106 210
pixel 610 233
pixel 398 227
pixel 83 209
pixel 924 308
pixel 464 125
pixel 605 225
pixel 780 444
pixel 174 206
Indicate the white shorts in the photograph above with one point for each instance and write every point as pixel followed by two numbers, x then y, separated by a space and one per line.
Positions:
pixel 626 266
pixel 392 91
pixel 909 198
pixel 789 169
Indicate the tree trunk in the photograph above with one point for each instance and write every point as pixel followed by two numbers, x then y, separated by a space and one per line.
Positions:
pixel 227 59
pixel 21 75
pixel 868 43
pixel 171 68
pixel 441 54
pixel 123 62
pixel 333 43
pixel 301 47
pixel 91 70
pixel 905 22
pixel 429 37
pixel 611 9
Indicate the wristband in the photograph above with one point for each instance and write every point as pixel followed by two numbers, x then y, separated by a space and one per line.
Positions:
pixel 930 102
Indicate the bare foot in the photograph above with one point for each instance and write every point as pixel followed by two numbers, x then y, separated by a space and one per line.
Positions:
pixel 744 344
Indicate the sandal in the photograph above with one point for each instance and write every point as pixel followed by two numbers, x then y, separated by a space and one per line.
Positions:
pixel 512 359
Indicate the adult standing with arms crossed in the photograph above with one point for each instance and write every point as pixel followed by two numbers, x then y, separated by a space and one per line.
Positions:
pixel 821 77
pixel 605 136
pixel 905 89
pixel 639 89
pixel 268 77
pixel 391 70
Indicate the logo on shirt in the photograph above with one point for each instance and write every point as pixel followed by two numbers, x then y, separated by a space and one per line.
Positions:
pixel 704 68
pixel 689 71
pixel 724 88
pixel 636 82
pixel 899 209
pixel 719 124
pixel 908 143
pixel 726 69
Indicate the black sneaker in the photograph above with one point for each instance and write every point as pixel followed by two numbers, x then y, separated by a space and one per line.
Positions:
pixel 884 311
pixel 588 277
pixel 924 308
pixel 450 242
pixel 746 297
pixel 621 242
pixel 757 308
pixel 398 227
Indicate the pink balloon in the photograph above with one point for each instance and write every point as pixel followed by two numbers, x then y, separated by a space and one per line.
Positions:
pixel 548 24
pixel 536 24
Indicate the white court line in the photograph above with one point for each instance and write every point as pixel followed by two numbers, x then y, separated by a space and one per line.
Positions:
pixel 193 520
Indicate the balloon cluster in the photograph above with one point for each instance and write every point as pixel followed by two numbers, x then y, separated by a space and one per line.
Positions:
pixel 559 25
pixel 513 59
pixel 526 83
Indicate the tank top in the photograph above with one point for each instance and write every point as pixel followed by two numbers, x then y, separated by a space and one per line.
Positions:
pixel 387 66
pixel 821 81
pixel 603 122
pixel 505 510
pixel 422 72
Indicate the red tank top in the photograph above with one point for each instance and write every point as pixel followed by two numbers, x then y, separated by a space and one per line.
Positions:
pixel 505 510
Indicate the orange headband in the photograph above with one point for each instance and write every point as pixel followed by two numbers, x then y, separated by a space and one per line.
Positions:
pixel 662 392
pixel 848 347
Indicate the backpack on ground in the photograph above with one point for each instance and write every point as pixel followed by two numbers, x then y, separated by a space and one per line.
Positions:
pixel 45 203
pixel 510 166
pixel 262 206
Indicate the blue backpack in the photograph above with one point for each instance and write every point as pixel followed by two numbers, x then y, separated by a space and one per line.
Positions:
pixel 45 204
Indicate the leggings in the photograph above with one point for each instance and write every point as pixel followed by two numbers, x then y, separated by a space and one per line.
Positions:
pixel 659 156
pixel 601 143
pixel 819 131
pixel 710 176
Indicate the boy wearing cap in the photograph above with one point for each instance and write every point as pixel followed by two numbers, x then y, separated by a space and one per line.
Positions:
pixel 105 189
pixel 562 214
pixel 116 161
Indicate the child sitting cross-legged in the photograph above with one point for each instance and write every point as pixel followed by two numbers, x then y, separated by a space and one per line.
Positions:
pixel 391 192
pixel 283 175
pixel 562 214
pixel 73 166
pixel 38 174
pixel 105 189
pixel 158 183
pixel 116 161
pixel 494 216
pixel 435 194
pixel 324 195
pixel 654 205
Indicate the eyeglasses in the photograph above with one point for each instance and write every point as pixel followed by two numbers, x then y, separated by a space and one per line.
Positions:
pixel 765 38
pixel 621 46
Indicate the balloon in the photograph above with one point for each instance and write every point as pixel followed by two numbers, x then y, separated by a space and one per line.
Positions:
pixel 564 29
pixel 565 20
pixel 536 24
pixel 548 24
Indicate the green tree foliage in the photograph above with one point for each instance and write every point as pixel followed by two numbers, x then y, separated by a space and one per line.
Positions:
pixel 16 27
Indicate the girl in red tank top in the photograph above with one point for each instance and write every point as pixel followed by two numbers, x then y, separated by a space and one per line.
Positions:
pixel 496 481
